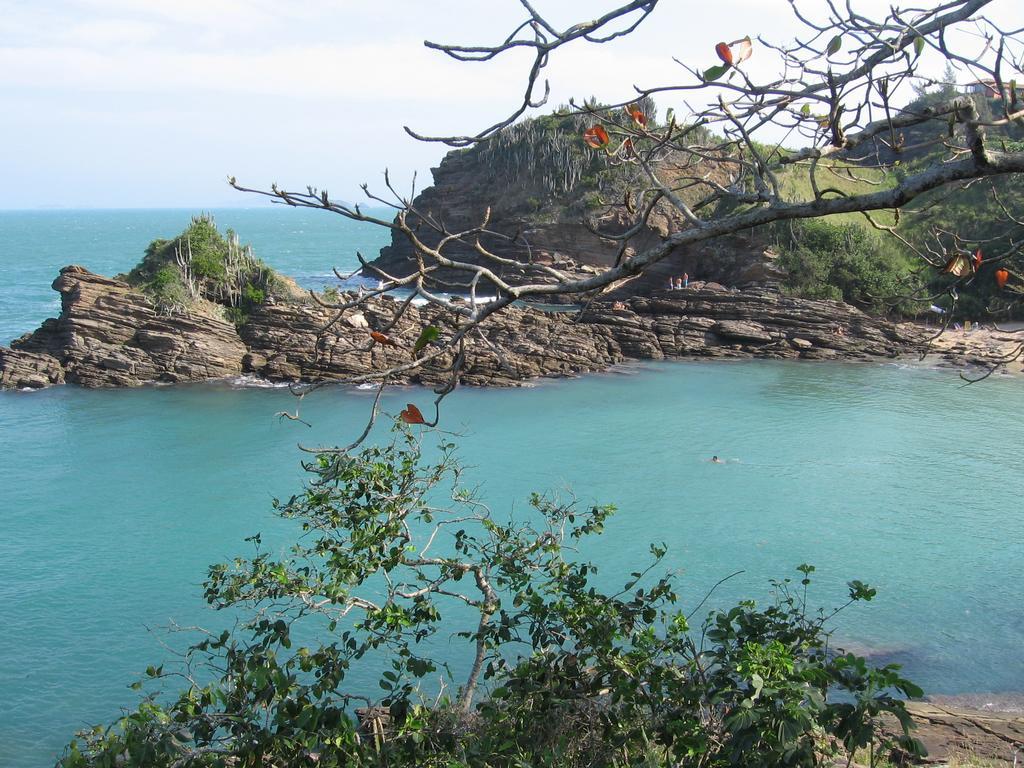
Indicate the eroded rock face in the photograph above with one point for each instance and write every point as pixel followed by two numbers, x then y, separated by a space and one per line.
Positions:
pixel 291 342
pixel 562 232
pixel 28 370
pixel 111 335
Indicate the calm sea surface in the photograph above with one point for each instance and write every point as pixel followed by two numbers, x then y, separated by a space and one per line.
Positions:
pixel 112 503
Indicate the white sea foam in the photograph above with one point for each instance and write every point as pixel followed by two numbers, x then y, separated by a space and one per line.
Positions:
pixel 248 381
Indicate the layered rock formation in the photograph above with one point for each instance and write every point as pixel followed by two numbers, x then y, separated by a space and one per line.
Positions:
pixel 111 335
pixel 564 197
pixel 28 370
pixel 964 735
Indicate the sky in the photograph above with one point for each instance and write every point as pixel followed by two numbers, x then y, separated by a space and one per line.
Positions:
pixel 135 103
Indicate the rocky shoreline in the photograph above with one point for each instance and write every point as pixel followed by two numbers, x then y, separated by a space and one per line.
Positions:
pixel 111 335
pixel 965 735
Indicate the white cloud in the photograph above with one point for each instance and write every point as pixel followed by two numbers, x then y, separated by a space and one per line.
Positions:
pixel 367 72
pixel 226 15
pixel 259 87
pixel 105 33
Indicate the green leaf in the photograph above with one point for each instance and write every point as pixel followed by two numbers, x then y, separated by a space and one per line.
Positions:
pixel 280 573
pixel 861 591
pixel 805 110
pixel 713 73
pixel 912 690
pixel 918 45
pixel 834 45
pixel 758 682
pixel 428 335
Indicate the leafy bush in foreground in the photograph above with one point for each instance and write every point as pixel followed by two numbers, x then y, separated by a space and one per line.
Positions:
pixel 559 673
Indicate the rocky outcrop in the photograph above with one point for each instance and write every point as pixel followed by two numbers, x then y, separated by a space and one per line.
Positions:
pixel 462 195
pixel 710 320
pixel 973 736
pixel 111 335
pixel 531 225
pixel 28 370
pixel 290 342
pixel 981 348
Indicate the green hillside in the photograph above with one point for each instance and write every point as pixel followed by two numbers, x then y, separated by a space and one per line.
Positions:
pixel 844 254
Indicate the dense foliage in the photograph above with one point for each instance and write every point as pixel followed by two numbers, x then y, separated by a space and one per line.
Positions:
pixel 203 264
pixel 560 673
pixel 845 261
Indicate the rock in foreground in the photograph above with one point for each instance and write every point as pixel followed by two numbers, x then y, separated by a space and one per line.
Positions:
pixel 970 736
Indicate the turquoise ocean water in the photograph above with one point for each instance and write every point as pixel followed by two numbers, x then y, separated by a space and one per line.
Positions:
pixel 112 503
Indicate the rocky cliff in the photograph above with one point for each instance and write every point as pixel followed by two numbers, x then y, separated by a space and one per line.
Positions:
pixel 550 199
pixel 110 335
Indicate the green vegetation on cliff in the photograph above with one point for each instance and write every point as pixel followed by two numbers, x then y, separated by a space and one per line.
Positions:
pixel 844 256
pixel 201 264
pixel 555 177
pixel 558 178
pixel 984 214
pixel 554 168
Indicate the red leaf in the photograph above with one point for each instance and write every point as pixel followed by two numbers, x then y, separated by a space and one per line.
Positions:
pixel 596 137
pixel 634 111
pixel 977 259
pixel 713 73
pixel 724 53
pixel 411 415
pixel 1002 275
pixel 380 338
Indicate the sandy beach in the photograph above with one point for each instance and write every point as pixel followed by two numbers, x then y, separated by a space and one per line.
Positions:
pixel 976 350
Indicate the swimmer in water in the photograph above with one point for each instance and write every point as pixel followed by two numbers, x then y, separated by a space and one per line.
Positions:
pixel 716 460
